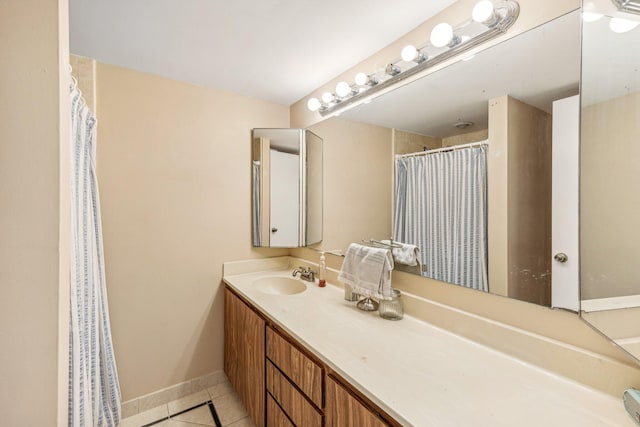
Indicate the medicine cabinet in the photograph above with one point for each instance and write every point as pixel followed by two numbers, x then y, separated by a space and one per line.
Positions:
pixel 286 188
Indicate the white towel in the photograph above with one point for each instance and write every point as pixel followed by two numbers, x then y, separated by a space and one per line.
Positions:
pixel 407 254
pixel 367 270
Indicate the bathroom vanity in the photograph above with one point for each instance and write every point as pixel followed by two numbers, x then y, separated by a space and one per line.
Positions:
pixel 305 356
pixel 263 361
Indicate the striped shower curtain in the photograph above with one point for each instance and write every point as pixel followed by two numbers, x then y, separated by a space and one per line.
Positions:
pixel 441 206
pixel 94 392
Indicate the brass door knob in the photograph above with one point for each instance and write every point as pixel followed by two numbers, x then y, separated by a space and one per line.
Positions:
pixel 561 257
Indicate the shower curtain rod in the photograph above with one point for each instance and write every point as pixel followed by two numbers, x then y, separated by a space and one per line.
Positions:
pixel 439 150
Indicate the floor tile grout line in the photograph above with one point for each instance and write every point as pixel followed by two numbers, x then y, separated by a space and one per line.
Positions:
pixel 209 402
pixel 214 414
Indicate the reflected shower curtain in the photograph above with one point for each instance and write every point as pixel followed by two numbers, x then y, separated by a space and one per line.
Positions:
pixel 441 206
pixel 94 392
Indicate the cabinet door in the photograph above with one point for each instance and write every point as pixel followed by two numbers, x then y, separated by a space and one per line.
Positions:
pixel 244 354
pixel 342 409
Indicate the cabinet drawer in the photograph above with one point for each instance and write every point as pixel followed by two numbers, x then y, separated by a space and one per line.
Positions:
pixel 294 404
pixel 301 370
pixel 275 416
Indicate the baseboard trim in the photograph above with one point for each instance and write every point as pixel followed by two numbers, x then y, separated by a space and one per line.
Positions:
pixel 160 397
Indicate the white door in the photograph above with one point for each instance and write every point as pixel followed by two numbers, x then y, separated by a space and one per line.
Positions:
pixel 285 199
pixel 565 273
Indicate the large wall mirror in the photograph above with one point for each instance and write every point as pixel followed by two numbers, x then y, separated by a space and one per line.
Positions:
pixel 286 188
pixel 610 174
pixel 492 117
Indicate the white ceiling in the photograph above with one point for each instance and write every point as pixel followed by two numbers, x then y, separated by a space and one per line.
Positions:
pixel 277 50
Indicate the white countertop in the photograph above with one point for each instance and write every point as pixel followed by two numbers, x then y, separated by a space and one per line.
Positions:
pixel 422 375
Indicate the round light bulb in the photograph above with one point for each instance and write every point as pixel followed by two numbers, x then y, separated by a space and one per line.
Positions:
pixel 620 25
pixel 313 104
pixel 591 16
pixel 327 97
pixel 409 53
pixel 343 89
pixel 361 79
pixel 482 11
pixel 441 35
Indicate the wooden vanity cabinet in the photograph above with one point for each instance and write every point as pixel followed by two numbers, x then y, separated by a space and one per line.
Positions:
pixel 281 383
pixel 344 409
pixel 244 354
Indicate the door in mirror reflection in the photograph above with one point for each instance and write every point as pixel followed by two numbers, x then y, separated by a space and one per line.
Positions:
pixel 286 188
pixel 285 199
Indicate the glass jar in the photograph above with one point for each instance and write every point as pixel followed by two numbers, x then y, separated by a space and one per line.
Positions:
pixel 349 295
pixel 392 309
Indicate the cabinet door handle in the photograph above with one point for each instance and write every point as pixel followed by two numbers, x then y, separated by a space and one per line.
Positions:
pixel 274 229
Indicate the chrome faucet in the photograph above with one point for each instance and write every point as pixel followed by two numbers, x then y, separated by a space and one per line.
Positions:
pixel 305 274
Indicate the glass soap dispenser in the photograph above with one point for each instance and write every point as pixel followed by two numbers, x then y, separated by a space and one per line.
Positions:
pixel 322 271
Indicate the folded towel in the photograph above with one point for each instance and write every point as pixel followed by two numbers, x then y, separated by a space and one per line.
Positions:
pixel 407 254
pixel 367 270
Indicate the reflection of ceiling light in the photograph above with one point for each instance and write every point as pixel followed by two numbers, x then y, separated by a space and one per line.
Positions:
pixel 460 124
pixel 619 25
pixel 469 58
pixel 591 16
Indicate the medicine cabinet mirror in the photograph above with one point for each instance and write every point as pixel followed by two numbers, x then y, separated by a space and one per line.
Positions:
pixel 610 174
pixel 286 188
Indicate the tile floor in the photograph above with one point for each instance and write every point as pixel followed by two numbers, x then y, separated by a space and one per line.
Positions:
pixel 195 410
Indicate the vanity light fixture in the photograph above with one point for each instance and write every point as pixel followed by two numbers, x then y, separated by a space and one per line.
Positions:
pixel 411 53
pixel 484 13
pixel 630 6
pixel 343 89
pixel 328 97
pixel 363 79
pixel 314 104
pixel 392 70
pixel 442 35
pixel 489 20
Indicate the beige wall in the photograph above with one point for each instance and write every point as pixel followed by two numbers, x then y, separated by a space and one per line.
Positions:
pixel 609 199
pixel 34 218
pixel 407 142
pixel 519 176
pixel 466 138
pixel 357 182
pixel 174 173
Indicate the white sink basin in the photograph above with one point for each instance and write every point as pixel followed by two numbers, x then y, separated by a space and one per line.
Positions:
pixel 279 285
